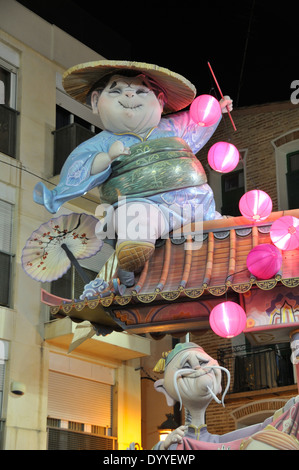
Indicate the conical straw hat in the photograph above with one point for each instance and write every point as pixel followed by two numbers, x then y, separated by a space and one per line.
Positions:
pixel 78 81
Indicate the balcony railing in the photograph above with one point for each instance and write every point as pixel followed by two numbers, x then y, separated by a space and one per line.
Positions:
pixel 257 368
pixel 65 439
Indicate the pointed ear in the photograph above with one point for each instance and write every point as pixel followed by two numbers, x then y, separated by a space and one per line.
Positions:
pixel 94 102
pixel 159 386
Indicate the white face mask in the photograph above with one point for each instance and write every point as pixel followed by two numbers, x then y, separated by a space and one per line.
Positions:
pixel 127 105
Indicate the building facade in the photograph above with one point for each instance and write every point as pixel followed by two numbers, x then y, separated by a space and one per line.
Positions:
pixel 49 398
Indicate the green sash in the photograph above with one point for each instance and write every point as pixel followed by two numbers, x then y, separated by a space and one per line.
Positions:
pixel 154 166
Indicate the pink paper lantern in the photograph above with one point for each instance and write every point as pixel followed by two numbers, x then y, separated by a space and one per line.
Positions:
pixel 205 110
pixel 223 157
pixel 255 205
pixel 264 261
pixel 227 319
pixel 284 233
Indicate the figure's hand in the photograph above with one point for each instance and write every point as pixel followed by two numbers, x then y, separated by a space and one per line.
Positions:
pixel 117 149
pixel 226 104
pixel 175 437
pixel 103 159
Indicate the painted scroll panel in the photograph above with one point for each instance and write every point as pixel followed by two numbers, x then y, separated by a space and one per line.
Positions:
pixel 279 306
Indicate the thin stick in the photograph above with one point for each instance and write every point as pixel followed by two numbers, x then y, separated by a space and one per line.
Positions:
pixel 219 89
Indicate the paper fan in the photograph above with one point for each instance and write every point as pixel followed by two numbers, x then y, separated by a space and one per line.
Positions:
pixel 58 243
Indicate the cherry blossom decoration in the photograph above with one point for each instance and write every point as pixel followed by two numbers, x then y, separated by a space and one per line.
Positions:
pixel 58 243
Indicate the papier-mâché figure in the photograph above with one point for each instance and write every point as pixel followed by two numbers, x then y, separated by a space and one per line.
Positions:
pixel 193 378
pixel 139 159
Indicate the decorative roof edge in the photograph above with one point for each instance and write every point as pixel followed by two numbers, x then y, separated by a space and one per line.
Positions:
pixel 171 296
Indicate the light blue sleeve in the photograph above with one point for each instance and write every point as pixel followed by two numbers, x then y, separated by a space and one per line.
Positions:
pixel 181 125
pixel 75 178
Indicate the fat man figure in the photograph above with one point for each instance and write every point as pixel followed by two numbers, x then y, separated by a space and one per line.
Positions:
pixel 140 159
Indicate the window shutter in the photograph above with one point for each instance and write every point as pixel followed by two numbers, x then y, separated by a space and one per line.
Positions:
pixel 76 399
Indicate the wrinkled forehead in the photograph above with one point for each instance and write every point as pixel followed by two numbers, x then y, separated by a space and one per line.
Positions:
pixel 198 353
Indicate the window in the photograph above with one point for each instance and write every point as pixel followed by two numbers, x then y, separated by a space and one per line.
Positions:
pixel 6 255
pixel 232 190
pixel 77 399
pixel 71 285
pixel 293 179
pixel 80 405
pixel 8 113
pixel 8 78
pixel 71 130
pixel 5 88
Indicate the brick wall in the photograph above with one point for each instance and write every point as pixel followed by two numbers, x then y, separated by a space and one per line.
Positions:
pixel 221 420
pixel 257 126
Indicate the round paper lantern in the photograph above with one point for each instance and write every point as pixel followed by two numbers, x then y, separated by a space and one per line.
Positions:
pixel 205 110
pixel 264 261
pixel 255 205
pixel 284 233
pixel 227 319
pixel 223 157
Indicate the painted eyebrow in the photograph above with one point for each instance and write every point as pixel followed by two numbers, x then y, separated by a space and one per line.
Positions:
pixel 200 358
pixel 183 359
pixel 113 85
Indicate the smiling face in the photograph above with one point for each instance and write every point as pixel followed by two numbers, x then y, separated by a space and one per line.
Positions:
pixel 126 104
pixel 192 385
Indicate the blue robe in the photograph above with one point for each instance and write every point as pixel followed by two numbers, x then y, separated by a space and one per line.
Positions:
pixel 76 180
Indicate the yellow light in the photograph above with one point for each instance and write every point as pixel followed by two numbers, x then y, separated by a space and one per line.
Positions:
pixel 164 433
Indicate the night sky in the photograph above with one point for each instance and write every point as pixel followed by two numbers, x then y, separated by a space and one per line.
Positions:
pixel 252 45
